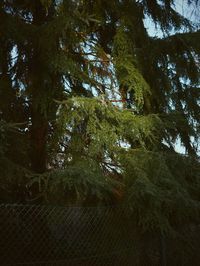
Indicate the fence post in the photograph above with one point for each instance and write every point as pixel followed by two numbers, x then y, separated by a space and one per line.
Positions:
pixel 163 257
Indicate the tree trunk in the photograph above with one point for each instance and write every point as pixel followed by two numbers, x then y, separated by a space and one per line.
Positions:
pixel 39 113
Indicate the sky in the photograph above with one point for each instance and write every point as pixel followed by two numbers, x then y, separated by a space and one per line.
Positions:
pixel 191 12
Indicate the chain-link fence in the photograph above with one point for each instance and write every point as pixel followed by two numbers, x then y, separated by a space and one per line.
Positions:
pixel 57 236
pixel 45 235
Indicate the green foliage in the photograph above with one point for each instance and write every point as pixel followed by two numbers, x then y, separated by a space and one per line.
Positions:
pixel 162 190
pixel 99 105
pixel 96 128
pixel 80 181
pixel 13 175
pixel 126 66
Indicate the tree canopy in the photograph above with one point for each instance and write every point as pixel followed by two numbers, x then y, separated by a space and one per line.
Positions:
pixel 92 106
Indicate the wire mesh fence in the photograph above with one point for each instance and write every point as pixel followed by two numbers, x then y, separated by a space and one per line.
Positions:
pixel 45 235
pixel 89 236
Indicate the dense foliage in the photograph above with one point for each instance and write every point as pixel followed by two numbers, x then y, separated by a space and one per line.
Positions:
pixel 92 106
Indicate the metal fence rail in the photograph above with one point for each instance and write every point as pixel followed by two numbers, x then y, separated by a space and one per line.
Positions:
pixel 46 235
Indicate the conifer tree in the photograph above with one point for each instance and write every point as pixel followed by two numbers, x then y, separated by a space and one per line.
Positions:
pixel 92 106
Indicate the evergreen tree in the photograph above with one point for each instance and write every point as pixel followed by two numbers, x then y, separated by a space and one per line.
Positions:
pixel 92 106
